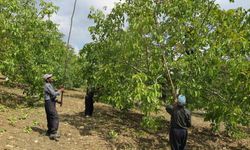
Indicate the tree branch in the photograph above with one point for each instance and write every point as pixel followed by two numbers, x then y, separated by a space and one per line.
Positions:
pixel 169 77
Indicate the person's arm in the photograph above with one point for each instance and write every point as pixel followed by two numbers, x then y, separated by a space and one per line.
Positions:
pixel 52 92
pixel 188 118
pixel 169 109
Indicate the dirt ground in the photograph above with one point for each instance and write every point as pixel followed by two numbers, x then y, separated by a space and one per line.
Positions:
pixel 23 128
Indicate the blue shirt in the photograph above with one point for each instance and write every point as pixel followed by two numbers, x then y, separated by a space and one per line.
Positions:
pixel 49 92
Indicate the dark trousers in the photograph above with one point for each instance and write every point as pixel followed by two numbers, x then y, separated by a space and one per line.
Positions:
pixel 89 105
pixel 52 116
pixel 178 138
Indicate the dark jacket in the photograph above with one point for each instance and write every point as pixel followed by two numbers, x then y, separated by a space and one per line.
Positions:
pixel 180 117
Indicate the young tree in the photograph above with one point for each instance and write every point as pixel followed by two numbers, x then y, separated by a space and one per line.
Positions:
pixel 143 48
pixel 31 44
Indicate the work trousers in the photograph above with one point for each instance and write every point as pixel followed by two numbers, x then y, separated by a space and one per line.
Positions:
pixel 52 116
pixel 178 138
pixel 89 105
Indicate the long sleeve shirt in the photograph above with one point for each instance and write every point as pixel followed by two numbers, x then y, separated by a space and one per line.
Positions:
pixel 180 117
pixel 49 92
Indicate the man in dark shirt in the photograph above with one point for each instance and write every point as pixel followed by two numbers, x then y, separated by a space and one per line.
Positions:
pixel 180 121
pixel 89 102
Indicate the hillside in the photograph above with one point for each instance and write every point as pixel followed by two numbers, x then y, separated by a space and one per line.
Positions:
pixel 23 127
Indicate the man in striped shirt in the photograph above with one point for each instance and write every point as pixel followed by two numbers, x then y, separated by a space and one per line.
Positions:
pixel 50 107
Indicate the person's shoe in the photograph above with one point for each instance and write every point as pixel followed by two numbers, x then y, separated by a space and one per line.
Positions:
pixel 54 136
pixel 87 116
pixel 47 134
pixel 58 134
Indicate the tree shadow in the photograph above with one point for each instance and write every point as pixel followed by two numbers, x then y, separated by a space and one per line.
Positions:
pixel 132 136
pixel 10 99
pixel 13 100
pixel 125 124
pixel 39 130
pixel 204 138
pixel 9 84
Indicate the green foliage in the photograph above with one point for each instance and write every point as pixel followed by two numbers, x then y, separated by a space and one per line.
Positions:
pixel 31 45
pixel 152 123
pixel 143 46
pixel 12 121
pixel 35 123
pixel 2 108
pixel 73 75
pixel 27 129
pixel 112 134
pixel 23 116
pixel 2 130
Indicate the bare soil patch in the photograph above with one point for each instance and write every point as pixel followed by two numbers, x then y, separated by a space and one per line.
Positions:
pixel 23 127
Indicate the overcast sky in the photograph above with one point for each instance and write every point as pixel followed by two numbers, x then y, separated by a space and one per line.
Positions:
pixel 80 34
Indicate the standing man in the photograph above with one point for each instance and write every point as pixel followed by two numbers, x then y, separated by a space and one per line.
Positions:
pixel 50 107
pixel 180 121
pixel 89 102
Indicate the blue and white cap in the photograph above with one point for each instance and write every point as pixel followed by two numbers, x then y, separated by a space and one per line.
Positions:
pixel 182 100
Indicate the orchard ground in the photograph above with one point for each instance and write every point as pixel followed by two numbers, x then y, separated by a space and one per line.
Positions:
pixel 23 127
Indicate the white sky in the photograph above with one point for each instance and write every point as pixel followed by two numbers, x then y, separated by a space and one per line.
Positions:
pixel 80 34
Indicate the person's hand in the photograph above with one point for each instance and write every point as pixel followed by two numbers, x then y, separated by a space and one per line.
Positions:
pixel 61 89
pixel 59 102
